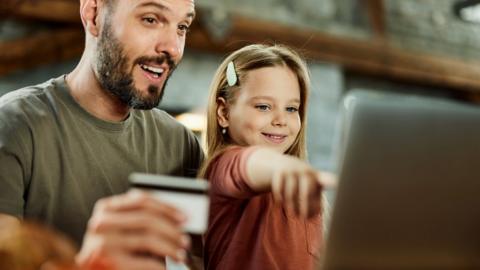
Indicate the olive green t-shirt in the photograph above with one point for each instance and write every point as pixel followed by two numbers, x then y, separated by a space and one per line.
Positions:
pixel 57 160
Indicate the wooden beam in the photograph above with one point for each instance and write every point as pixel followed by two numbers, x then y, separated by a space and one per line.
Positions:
pixel 40 49
pixel 65 11
pixel 370 57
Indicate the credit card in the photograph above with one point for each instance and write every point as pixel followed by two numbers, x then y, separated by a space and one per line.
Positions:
pixel 189 195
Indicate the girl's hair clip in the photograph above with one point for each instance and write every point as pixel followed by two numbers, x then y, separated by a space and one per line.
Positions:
pixel 232 78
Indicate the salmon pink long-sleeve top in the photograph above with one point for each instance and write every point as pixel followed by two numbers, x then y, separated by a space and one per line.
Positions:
pixel 248 230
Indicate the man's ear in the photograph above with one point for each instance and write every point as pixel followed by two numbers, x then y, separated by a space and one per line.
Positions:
pixel 89 15
pixel 222 112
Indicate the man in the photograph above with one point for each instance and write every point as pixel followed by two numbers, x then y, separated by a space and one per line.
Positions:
pixel 73 140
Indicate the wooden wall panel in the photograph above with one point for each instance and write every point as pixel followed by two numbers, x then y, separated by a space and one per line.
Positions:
pixel 371 57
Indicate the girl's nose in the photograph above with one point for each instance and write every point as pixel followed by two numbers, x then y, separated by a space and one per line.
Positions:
pixel 279 119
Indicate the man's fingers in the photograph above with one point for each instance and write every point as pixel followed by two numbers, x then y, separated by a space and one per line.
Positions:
pixel 140 262
pixel 116 246
pixel 155 246
pixel 122 251
pixel 135 228
pixel 134 200
pixel 141 222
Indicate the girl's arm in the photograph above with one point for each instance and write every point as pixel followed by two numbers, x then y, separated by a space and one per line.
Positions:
pixel 291 180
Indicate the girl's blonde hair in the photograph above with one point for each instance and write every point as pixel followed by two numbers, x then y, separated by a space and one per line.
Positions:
pixel 246 59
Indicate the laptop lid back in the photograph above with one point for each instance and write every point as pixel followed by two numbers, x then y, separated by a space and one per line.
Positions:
pixel 409 190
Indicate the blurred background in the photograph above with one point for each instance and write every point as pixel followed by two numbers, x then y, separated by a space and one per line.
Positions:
pixel 421 47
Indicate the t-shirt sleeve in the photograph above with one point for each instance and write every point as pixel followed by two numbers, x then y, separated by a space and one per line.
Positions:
pixel 195 155
pixel 12 168
pixel 228 173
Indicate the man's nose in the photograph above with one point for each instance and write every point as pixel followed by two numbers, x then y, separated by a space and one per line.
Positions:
pixel 169 42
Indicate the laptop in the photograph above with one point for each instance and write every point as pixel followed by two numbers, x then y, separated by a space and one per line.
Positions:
pixel 409 185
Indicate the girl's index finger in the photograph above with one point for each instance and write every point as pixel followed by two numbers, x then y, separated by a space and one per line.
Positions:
pixel 327 180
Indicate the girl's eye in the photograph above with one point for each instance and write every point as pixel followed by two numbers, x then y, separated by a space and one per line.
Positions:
pixel 262 107
pixel 292 109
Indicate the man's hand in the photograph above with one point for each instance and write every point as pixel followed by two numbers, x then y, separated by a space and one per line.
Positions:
pixel 133 231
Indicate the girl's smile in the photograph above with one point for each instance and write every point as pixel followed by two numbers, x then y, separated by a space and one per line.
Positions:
pixel 266 109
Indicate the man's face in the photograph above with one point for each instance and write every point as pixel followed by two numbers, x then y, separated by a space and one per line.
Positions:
pixel 140 44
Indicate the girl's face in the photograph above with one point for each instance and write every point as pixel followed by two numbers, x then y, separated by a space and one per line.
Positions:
pixel 266 109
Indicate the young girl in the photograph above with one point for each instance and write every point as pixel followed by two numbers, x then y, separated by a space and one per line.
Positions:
pixel 265 199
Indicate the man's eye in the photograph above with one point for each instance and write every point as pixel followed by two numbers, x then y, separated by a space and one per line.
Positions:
pixel 183 29
pixel 262 107
pixel 149 20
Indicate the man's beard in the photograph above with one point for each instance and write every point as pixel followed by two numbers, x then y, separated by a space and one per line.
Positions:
pixel 113 75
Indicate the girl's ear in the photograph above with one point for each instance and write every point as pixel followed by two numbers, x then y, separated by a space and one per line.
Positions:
pixel 222 112
pixel 89 15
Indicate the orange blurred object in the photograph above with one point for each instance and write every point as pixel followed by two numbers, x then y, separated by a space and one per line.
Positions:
pixel 28 246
